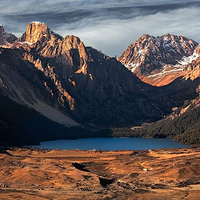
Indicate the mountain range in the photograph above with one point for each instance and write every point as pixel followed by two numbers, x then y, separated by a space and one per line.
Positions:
pixel 53 87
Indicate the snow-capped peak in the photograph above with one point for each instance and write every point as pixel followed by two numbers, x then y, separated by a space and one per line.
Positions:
pixel 148 56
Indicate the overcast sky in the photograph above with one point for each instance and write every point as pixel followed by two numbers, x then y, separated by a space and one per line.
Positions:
pixel 107 25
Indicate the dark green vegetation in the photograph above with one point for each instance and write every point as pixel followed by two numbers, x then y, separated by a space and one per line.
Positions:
pixel 184 129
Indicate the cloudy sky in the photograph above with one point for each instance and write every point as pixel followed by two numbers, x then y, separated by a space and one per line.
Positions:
pixel 107 25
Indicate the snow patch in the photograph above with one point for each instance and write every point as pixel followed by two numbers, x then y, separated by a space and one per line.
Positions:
pixel 189 59
pixel 142 51
pixel 132 66
pixel 28 43
pixel 37 22
pixel 167 69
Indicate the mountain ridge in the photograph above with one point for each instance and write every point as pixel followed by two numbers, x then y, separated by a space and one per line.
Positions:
pixel 159 60
pixel 78 86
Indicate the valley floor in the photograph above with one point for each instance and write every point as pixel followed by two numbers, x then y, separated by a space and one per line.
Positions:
pixel 27 173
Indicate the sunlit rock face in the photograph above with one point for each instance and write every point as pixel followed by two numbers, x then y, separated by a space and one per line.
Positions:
pixel 69 52
pixel 35 31
pixel 159 60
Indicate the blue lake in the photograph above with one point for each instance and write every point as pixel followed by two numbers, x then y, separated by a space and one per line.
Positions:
pixel 111 144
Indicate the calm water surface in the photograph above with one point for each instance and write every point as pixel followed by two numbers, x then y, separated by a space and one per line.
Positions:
pixel 111 144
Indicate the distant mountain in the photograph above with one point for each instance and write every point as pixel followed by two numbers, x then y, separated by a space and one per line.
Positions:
pixel 160 60
pixel 6 38
pixel 79 91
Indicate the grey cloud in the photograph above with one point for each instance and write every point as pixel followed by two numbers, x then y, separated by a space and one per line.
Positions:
pixel 113 36
pixel 107 25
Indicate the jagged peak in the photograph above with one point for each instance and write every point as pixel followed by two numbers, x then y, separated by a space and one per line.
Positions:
pixel 169 38
pixel 73 38
pixel 41 27
pixel 172 35
pixel 163 56
pixel 74 42
pixel 145 36
pixel 6 38
pixel 37 23
pixel 165 37
pixel 37 31
pixel 1 29
pixel 34 32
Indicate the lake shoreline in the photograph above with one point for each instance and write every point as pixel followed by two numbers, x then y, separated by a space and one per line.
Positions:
pixel 111 143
